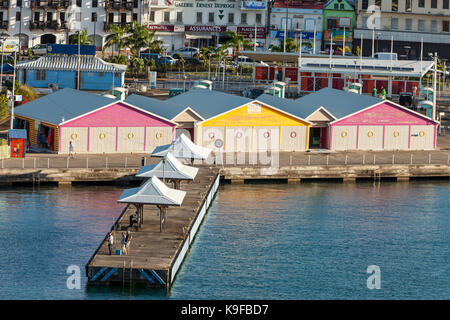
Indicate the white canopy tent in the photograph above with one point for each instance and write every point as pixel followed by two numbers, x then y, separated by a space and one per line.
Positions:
pixel 182 148
pixel 153 192
pixel 168 168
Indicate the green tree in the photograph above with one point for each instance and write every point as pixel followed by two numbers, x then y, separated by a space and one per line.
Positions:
pixel 117 37
pixel 291 46
pixel 139 37
pixel 4 107
pixel 84 39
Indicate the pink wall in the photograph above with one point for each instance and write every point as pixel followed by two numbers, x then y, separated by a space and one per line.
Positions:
pixel 118 115
pixel 385 114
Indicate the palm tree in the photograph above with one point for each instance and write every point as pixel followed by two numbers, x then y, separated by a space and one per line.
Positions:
pixel 84 39
pixel 237 42
pixel 117 36
pixel 291 46
pixel 139 38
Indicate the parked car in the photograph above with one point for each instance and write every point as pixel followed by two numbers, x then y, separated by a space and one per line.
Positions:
pixel 188 52
pixel 246 61
pixel 158 58
pixel 39 49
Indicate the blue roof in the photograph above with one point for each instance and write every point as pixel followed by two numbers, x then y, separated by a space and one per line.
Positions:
pixel 339 103
pixel 63 104
pixel 208 103
pixel 161 108
pixel 287 105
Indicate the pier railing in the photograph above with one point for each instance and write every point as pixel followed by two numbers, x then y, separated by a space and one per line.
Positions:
pixel 268 159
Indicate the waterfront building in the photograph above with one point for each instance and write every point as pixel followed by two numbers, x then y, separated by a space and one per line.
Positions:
pixel 407 23
pixel 304 19
pixel 198 23
pixel 54 21
pixel 337 72
pixel 93 123
pixel 338 24
pixel 60 71
pixel 359 122
pixel 189 108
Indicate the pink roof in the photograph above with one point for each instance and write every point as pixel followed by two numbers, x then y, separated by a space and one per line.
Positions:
pixel 385 114
pixel 118 115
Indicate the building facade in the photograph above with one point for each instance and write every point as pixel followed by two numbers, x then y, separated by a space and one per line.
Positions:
pixel 54 21
pixel 407 23
pixel 199 23
pixel 338 25
pixel 304 19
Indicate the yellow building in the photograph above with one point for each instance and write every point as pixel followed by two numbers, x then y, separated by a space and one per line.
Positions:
pixel 254 126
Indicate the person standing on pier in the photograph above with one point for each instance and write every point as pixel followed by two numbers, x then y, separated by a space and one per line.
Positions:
pixel 110 242
pixel 70 149
pixel 124 243
pixel 127 241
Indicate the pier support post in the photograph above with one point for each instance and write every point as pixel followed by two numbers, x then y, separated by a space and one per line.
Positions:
pixel 403 179
pixel 349 179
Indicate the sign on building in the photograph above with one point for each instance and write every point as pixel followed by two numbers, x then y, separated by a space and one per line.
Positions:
pixel 10 44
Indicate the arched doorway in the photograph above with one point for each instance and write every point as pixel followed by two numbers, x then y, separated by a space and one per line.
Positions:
pixel 98 41
pixel 48 38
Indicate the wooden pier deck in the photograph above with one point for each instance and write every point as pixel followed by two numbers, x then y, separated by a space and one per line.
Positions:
pixel 154 256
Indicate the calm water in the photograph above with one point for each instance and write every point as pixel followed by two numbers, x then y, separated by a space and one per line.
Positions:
pixel 308 241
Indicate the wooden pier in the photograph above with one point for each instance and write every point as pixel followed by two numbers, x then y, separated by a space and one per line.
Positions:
pixel 154 257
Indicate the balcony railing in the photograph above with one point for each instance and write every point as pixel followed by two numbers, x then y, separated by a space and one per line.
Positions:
pixel 119 5
pixel 51 25
pixel 4 25
pixel 53 4
pixel 120 24
pixel 4 4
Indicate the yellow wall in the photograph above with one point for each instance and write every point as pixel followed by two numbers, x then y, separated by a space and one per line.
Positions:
pixel 241 117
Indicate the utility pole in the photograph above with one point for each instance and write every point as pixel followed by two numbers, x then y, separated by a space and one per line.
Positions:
pixel 13 91
pixel 78 67
pixel 286 25
pixel 434 86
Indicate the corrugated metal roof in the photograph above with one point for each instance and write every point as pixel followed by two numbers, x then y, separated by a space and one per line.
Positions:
pixel 338 102
pixel 87 64
pixel 287 105
pixel 208 103
pixel 161 108
pixel 183 148
pixel 169 168
pixel 63 104
pixel 154 191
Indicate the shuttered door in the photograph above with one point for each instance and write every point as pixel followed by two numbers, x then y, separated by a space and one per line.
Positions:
pixel 78 136
pixel 102 140
pixel 130 139
pixel 396 137
pixel 344 138
pixel 213 137
pixel 157 136
pixel 239 139
pixel 293 138
pixel 422 137
pixel 370 138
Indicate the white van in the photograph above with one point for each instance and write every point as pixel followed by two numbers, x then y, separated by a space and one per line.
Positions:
pixel 246 61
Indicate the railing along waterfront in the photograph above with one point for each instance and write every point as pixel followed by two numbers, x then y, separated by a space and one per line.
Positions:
pixel 284 159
